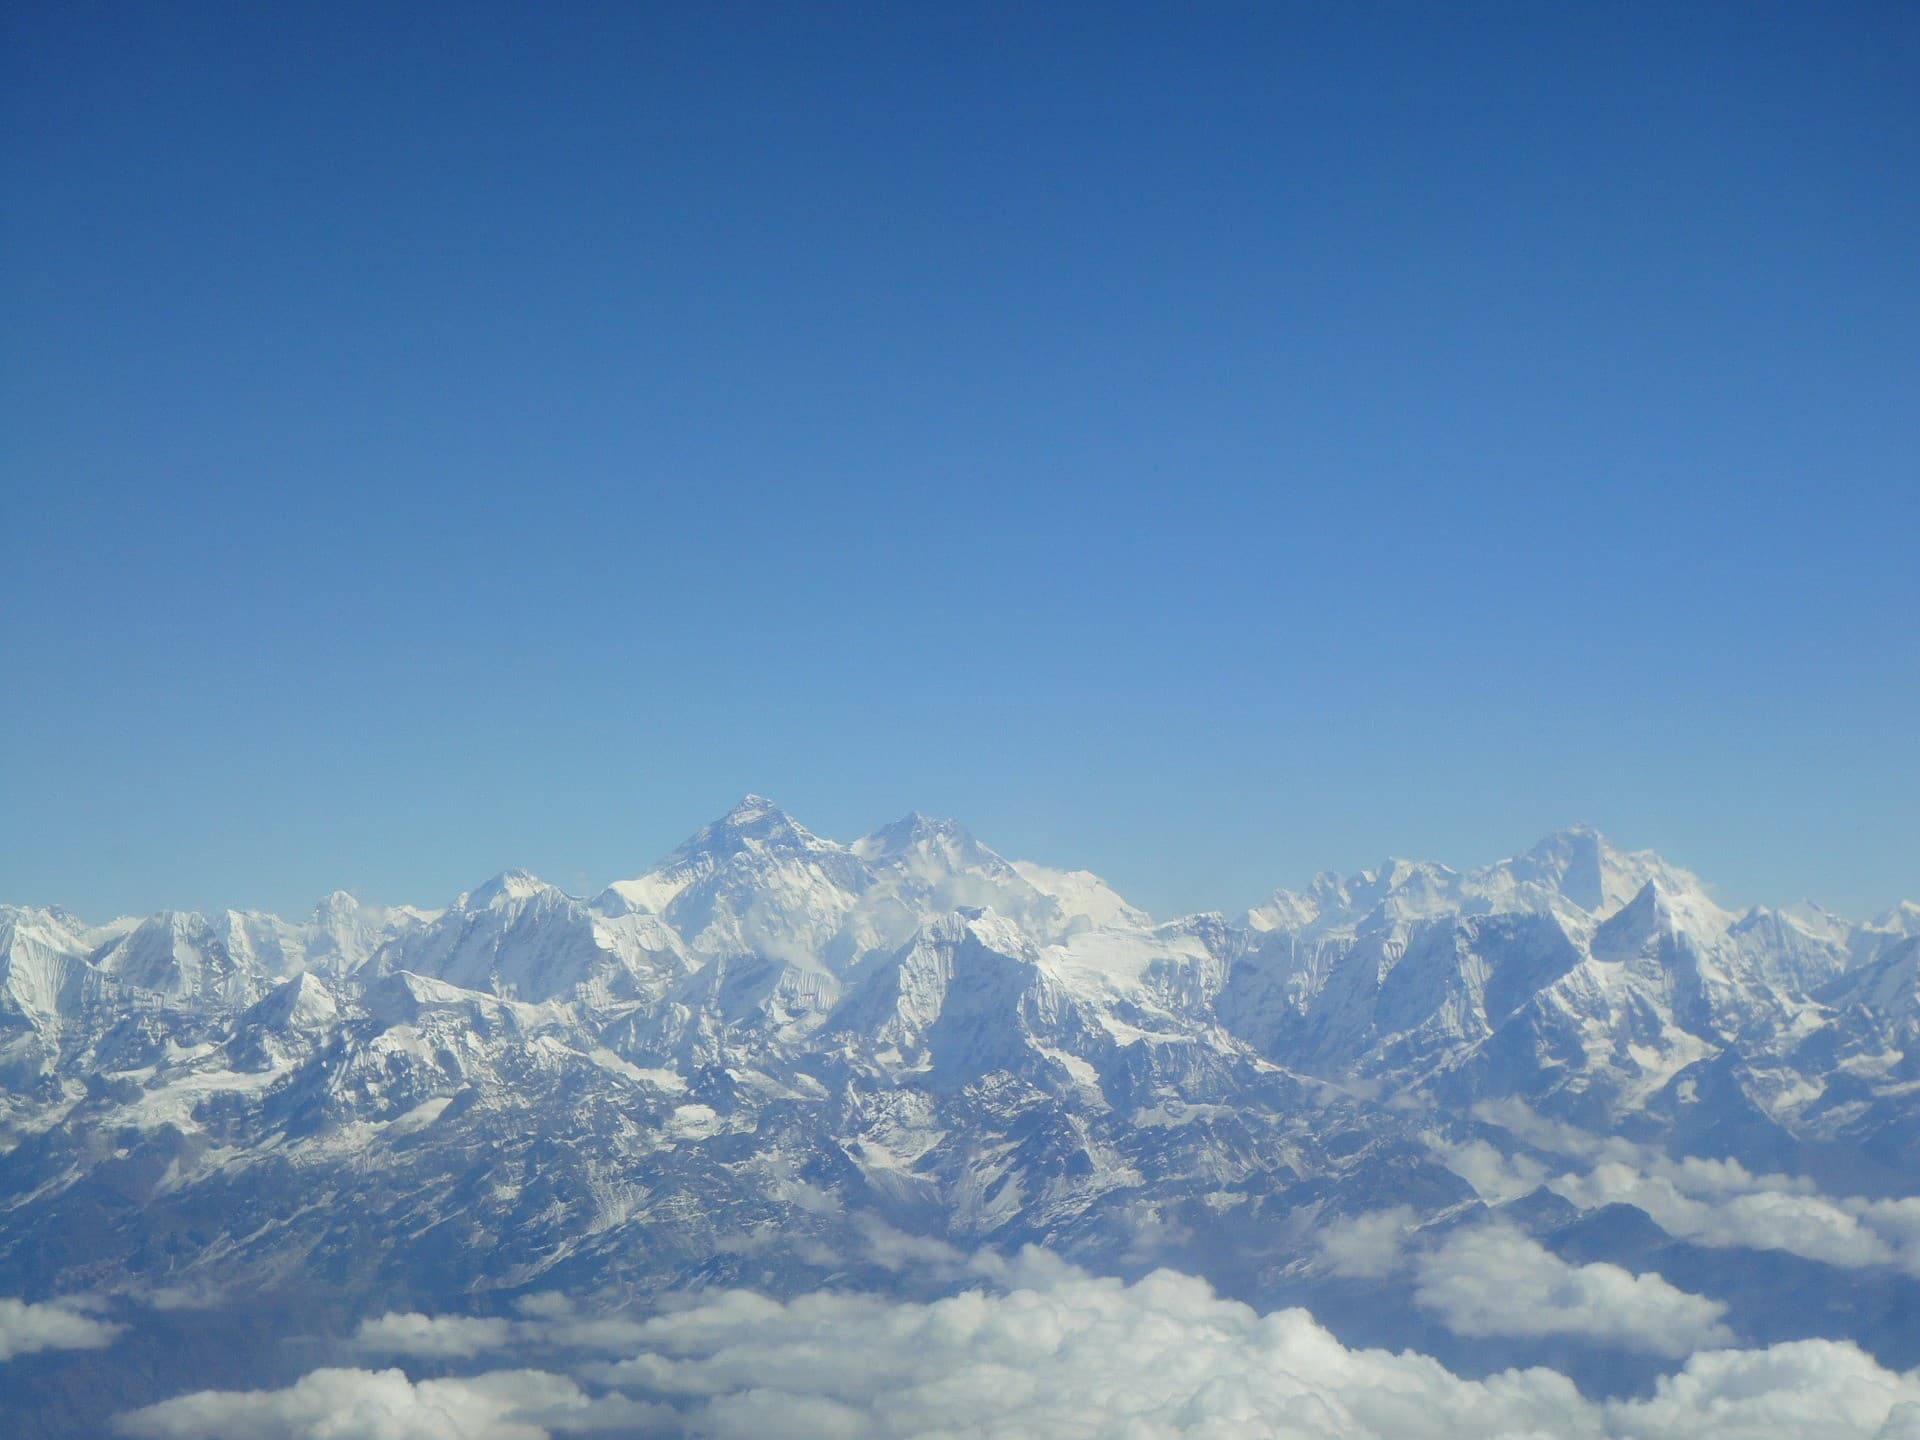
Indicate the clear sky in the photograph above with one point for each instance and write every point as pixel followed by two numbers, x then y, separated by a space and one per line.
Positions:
pixel 1200 442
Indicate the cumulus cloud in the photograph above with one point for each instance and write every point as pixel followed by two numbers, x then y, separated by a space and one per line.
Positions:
pixel 1046 1351
pixel 1813 1389
pixel 1761 1218
pixel 451 1337
pixel 1709 1202
pixel 1067 1354
pixel 55 1325
pixel 1497 1281
pixel 1366 1247
pixel 368 1405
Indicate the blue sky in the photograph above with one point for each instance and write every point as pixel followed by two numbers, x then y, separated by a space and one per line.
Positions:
pixel 1201 443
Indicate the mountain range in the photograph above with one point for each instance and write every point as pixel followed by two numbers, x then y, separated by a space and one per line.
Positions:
pixel 781 1061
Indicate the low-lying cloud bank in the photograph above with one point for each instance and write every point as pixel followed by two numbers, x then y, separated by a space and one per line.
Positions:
pixel 1708 1202
pixel 1496 1280
pixel 1045 1351
pixel 57 1325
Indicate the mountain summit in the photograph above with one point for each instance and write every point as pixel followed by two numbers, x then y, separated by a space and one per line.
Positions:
pixel 773 1054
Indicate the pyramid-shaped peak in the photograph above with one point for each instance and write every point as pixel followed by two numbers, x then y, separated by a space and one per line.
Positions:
pixel 337 905
pixel 753 817
pixel 1574 861
pixel 1902 919
pixel 911 831
pixel 1635 925
pixel 300 1003
pixel 754 826
pixel 514 884
pixel 1568 842
pixel 755 821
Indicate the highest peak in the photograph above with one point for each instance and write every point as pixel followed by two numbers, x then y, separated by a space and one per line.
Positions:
pixel 514 884
pixel 758 817
pixel 1583 866
pixel 752 816
pixel 750 809
pixel 1579 829
pixel 1575 840
pixel 754 823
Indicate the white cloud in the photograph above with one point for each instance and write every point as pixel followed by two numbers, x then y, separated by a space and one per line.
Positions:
pixel 1708 1202
pixel 451 1337
pixel 55 1325
pixel 368 1405
pixel 1366 1247
pixel 1052 1353
pixel 1067 1354
pixel 1495 1177
pixel 1498 1281
pixel 1809 1389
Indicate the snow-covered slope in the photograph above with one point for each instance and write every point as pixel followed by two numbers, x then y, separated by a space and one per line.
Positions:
pixel 772 1046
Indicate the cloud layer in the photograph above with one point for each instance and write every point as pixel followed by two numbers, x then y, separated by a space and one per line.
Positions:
pixel 1496 1280
pixel 366 1405
pixel 57 1325
pixel 1049 1351
pixel 1709 1202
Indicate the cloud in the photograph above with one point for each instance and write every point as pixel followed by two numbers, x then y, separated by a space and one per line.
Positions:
pixel 55 1325
pixel 1046 1351
pixel 1495 1177
pixel 1366 1247
pixel 1810 1389
pixel 1762 1218
pixel 1068 1354
pixel 451 1337
pixel 1498 1281
pixel 1709 1202
pixel 369 1405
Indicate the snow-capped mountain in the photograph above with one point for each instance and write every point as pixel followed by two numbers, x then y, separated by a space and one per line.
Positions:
pixel 742 1061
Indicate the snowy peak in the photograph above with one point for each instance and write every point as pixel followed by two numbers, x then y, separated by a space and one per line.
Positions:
pixel 1657 915
pixel 1902 919
pixel 958 999
pixel 170 954
pixel 1392 894
pixel 1575 873
pixel 40 950
pixel 754 825
pixel 755 835
pixel 1581 866
pixel 1086 900
pixel 302 1003
pixel 503 889
pixel 915 835
pixel 1576 862
pixel 345 932
pixel 933 851
pixel 1637 929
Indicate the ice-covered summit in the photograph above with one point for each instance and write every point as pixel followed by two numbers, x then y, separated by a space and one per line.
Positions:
pixel 773 1052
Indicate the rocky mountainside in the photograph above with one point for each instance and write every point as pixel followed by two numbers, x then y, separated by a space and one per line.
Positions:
pixel 779 1060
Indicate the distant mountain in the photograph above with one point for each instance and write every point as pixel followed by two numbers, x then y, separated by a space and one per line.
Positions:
pixel 736 1064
